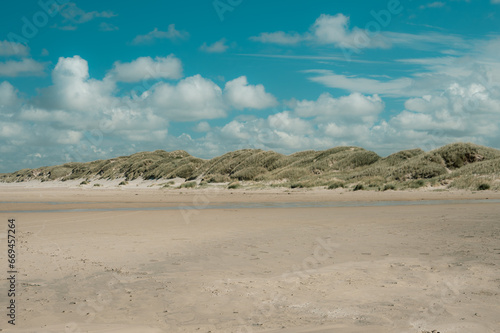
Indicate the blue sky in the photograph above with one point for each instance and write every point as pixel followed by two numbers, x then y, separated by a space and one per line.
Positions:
pixel 87 80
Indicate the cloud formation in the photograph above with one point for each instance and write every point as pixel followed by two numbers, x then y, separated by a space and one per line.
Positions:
pixel 8 49
pixel 219 46
pixel 172 34
pixel 240 95
pixel 24 67
pixel 147 68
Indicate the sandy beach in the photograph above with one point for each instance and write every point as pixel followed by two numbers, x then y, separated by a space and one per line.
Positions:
pixel 145 259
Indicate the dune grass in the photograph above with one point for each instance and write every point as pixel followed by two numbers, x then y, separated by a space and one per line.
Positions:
pixel 458 165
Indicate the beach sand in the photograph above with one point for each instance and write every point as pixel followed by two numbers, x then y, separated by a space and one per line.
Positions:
pixel 120 263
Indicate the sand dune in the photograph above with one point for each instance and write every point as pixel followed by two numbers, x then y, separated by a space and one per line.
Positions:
pixel 457 166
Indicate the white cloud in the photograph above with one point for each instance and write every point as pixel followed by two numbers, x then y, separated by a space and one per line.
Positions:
pixel 427 41
pixel 193 98
pixel 171 34
pixel 394 87
pixel 285 122
pixel 146 68
pixel 10 129
pixel 68 27
pixel 436 4
pixel 281 132
pixel 235 131
pixel 241 95
pixel 460 112
pixel 202 126
pixel 9 100
pixel 8 49
pixel 279 37
pixel 335 30
pixel 105 26
pixel 217 47
pixel 328 29
pixel 68 137
pixel 354 108
pixel 24 67
pixel 73 90
pixel 73 14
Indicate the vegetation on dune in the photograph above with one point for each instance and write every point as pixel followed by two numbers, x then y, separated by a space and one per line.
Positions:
pixel 188 185
pixel 458 165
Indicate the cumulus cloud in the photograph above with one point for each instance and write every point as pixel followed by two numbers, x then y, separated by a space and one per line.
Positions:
pixel 193 98
pixel 202 126
pixel 9 100
pixel 73 90
pixel 241 95
pixel 146 68
pixel 8 49
pixel 335 30
pixel 219 46
pixel 172 34
pixel 24 67
pixel 270 133
pixel 354 108
pixel 286 122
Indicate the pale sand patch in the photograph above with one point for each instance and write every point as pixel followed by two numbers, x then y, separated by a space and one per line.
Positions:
pixel 343 269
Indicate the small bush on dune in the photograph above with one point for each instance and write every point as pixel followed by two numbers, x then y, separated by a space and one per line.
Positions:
pixel 84 182
pixel 234 185
pixel 483 187
pixel 217 178
pixel 335 185
pixel 358 187
pixel 188 185
pixel 417 184
pixel 389 187
pixel 123 183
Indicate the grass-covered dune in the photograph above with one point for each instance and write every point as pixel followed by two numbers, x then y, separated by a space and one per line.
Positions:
pixel 458 165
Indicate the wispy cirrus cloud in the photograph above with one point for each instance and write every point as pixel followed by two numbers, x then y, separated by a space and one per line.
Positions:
pixel 391 87
pixel 335 30
pixel 105 26
pixel 280 37
pixel 326 30
pixel 436 4
pixel 74 16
